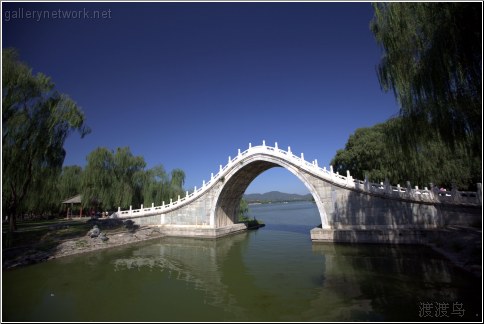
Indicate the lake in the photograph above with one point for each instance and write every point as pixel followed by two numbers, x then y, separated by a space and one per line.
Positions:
pixel 274 273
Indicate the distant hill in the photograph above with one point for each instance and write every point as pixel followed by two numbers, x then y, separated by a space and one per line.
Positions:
pixel 276 196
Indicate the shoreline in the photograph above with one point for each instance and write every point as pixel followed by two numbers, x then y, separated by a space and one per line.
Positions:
pixel 461 246
pixel 80 245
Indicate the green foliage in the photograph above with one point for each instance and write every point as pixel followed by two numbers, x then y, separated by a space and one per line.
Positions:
pixel 243 211
pixel 176 183
pixel 69 183
pixel 244 218
pixel 365 154
pixel 119 179
pixel 432 61
pixel 158 186
pixel 36 121
pixel 374 152
pixel 112 178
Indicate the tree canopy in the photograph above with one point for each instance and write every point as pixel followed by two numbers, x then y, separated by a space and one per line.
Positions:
pixel 373 152
pixel 36 120
pixel 69 183
pixel 110 177
pixel 432 61
pixel 115 179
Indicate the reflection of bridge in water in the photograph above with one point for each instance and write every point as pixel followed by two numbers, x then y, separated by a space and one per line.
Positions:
pixel 350 209
pixel 195 261
pixel 352 279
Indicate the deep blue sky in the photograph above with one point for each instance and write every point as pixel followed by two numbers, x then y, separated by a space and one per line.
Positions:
pixel 187 84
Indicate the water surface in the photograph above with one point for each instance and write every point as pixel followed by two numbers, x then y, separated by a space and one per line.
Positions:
pixel 271 274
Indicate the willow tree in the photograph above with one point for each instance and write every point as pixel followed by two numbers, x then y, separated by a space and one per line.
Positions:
pixel 176 183
pixel 156 186
pixel 373 152
pixel 36 120
pixel 432 54
pixel 69 183
pixel 112 178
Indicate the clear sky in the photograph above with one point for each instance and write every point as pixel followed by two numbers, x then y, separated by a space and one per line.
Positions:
pixel 187 84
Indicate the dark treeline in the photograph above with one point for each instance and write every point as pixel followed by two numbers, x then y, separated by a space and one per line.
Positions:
pixel 115 179
pixel 110 179
pixel 372 153
pixel 36 120
pixel 432 54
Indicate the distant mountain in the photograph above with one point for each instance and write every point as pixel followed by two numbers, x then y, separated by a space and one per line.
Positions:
pixel 276 196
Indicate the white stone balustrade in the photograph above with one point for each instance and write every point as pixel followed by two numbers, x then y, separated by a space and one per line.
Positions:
pixel 384 190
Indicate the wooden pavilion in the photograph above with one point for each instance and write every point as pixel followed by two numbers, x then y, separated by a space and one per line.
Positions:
pixel 73 201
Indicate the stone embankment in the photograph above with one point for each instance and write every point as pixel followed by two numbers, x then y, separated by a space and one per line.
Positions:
pixel 461 245
pixel 119 235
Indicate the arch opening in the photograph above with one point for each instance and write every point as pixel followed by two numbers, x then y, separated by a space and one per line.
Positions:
pixel 238 180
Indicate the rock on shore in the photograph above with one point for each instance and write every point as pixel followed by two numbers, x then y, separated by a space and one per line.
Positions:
pixel 82 245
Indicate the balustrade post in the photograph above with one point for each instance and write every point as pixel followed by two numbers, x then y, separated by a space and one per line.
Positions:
pixel 230 159
pixel 479 193
pixel 250 146
pixel 348 178
pixel 367 183
pixel 275 146
pixel 163 203
pixel 220 167
pixel 203 184
pixel 119 209
pixel 238 152
pixel 171 201
pixel 141 207
pixel 263 143
pixel 211 176
pixel 433 193
pixel 186 193
pixel 409 188
pixel 153 205
pixel 178 197
pixel 388 187
pixel 316 162
pixel 302 157
pixel 195 189
pixel 289 150
pixel 455 193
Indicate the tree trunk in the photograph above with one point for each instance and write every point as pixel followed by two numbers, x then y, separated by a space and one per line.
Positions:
pixel 12 222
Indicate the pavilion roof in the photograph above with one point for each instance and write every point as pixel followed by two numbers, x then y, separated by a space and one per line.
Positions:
pixel 73 200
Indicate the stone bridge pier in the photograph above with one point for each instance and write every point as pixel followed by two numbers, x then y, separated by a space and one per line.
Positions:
pixel 351 210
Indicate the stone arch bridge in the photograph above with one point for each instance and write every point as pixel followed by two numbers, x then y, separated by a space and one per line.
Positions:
pixel 351 210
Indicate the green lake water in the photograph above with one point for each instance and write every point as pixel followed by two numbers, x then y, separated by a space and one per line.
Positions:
pixel 272 274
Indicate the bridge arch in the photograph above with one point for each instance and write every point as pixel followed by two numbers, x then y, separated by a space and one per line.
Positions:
pixel 349 208
pixel 238 179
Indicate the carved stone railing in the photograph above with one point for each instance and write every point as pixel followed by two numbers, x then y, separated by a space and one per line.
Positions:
pixel 416 194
